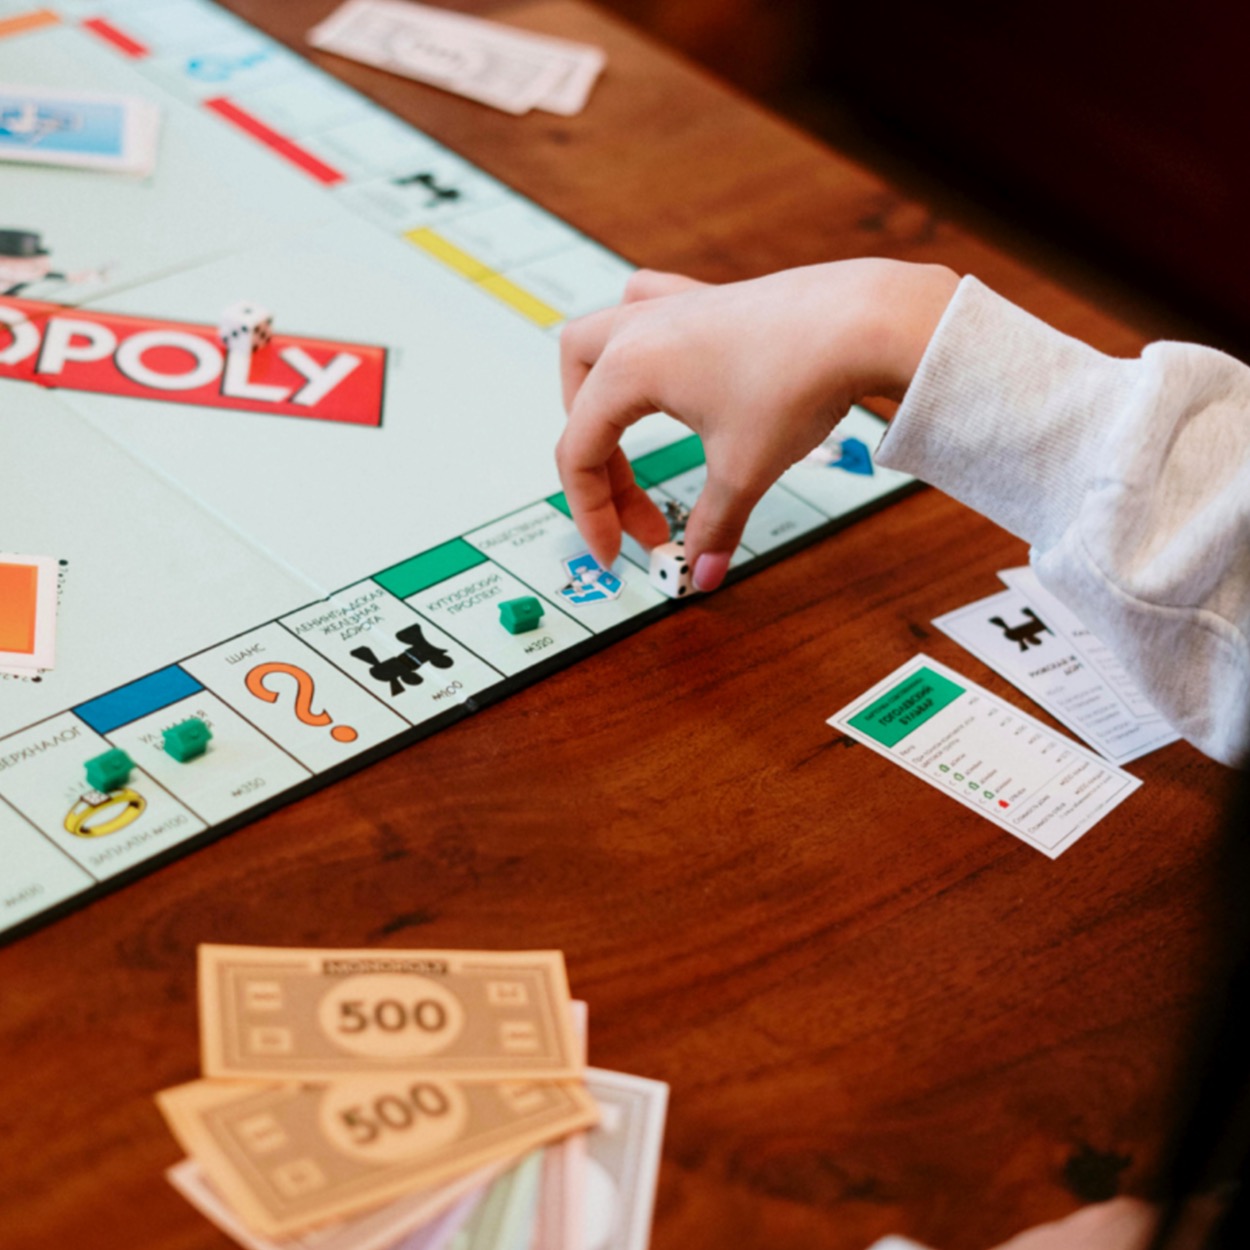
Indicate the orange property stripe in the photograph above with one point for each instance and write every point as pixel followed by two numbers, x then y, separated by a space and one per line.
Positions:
pixel 27 21
pixel 19 584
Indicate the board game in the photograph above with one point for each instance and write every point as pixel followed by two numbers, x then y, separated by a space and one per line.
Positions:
pixel 304 550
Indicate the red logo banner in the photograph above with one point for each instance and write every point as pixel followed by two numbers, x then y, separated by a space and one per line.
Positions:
pixel 184 363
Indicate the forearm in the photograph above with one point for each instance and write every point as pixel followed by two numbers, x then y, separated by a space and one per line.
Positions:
pixel 1130 478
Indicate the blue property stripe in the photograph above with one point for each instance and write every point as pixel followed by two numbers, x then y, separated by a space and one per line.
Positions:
pixel 148 694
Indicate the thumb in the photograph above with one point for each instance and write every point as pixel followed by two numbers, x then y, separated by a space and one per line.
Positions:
pixel 714 530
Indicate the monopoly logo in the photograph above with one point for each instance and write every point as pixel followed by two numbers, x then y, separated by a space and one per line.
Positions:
pixel 182 363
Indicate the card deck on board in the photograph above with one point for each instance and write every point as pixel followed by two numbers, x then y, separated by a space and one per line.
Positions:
pixel 82 129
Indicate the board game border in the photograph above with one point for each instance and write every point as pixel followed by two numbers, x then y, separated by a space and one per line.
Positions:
pixel 497 692
pixel 505 687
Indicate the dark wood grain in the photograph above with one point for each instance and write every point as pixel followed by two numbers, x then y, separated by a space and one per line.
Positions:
pixel 876 1011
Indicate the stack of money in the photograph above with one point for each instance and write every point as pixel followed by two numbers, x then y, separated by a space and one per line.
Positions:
pixel 414 1100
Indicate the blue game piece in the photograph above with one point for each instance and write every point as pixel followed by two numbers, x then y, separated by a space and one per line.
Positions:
pixel 855 458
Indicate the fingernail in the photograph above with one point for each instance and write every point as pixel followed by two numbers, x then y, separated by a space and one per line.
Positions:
pixel 710 569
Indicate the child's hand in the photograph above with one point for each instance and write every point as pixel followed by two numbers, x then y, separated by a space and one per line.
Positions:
pixel 761 370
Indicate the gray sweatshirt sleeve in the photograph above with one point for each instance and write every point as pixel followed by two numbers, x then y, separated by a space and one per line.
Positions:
pixel 1129 478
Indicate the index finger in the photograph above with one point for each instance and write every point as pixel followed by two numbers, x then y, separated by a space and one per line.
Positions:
pixel 597 478
pixel 601 491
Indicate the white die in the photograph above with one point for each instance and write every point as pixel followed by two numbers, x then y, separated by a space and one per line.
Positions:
pixel 670 573
pixel 245 325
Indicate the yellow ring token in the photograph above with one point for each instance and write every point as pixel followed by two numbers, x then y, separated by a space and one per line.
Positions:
pixel 131 804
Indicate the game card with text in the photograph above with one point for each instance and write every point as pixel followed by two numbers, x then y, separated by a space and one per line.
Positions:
pixel 993 758
pixel 86 129
pixel 1019 636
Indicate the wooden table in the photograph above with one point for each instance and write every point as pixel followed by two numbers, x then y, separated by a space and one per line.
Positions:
pixel 876 1011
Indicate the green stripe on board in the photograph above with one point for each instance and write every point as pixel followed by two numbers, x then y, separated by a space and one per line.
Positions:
pixel 561 503
pixel 429 568
pixel 659 466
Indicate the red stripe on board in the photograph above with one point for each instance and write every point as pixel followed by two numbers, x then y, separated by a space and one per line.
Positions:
pixel 119 39
pixel 272 139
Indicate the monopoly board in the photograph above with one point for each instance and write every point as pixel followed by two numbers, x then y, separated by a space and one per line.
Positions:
pixel 306 551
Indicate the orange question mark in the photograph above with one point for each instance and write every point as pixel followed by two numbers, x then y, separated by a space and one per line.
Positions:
pixel 303 697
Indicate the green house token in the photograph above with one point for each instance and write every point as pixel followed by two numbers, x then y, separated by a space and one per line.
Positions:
pixel 187 739
pixel 519 616
pixel 109 771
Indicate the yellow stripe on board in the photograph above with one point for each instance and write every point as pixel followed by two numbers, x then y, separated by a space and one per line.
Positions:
pixel 526 304
pixel 27 21
pixel 496 284
pixel 448 253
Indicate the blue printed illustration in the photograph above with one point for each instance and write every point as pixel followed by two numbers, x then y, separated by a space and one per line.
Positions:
pixel 590 581
pixel 84 128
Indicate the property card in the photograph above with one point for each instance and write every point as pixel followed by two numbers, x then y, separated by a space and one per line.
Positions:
pixel 85 129
pixel 993 758
pixel 510 69
pixel 1096 652
pixel 27 613
pixel 1018 636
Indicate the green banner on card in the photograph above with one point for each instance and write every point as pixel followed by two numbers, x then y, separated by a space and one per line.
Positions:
pixel 889 719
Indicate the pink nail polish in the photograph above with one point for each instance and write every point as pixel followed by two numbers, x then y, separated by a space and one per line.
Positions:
pixel 710 569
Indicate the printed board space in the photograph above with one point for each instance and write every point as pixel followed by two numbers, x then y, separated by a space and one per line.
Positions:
pixel 19 586
pixel 305 548
pixel 27 613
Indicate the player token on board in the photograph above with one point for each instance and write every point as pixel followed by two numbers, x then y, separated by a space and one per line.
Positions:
pixel 678 517
pixel 855 457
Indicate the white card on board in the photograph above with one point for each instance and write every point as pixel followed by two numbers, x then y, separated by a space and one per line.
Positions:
pixel 83 129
